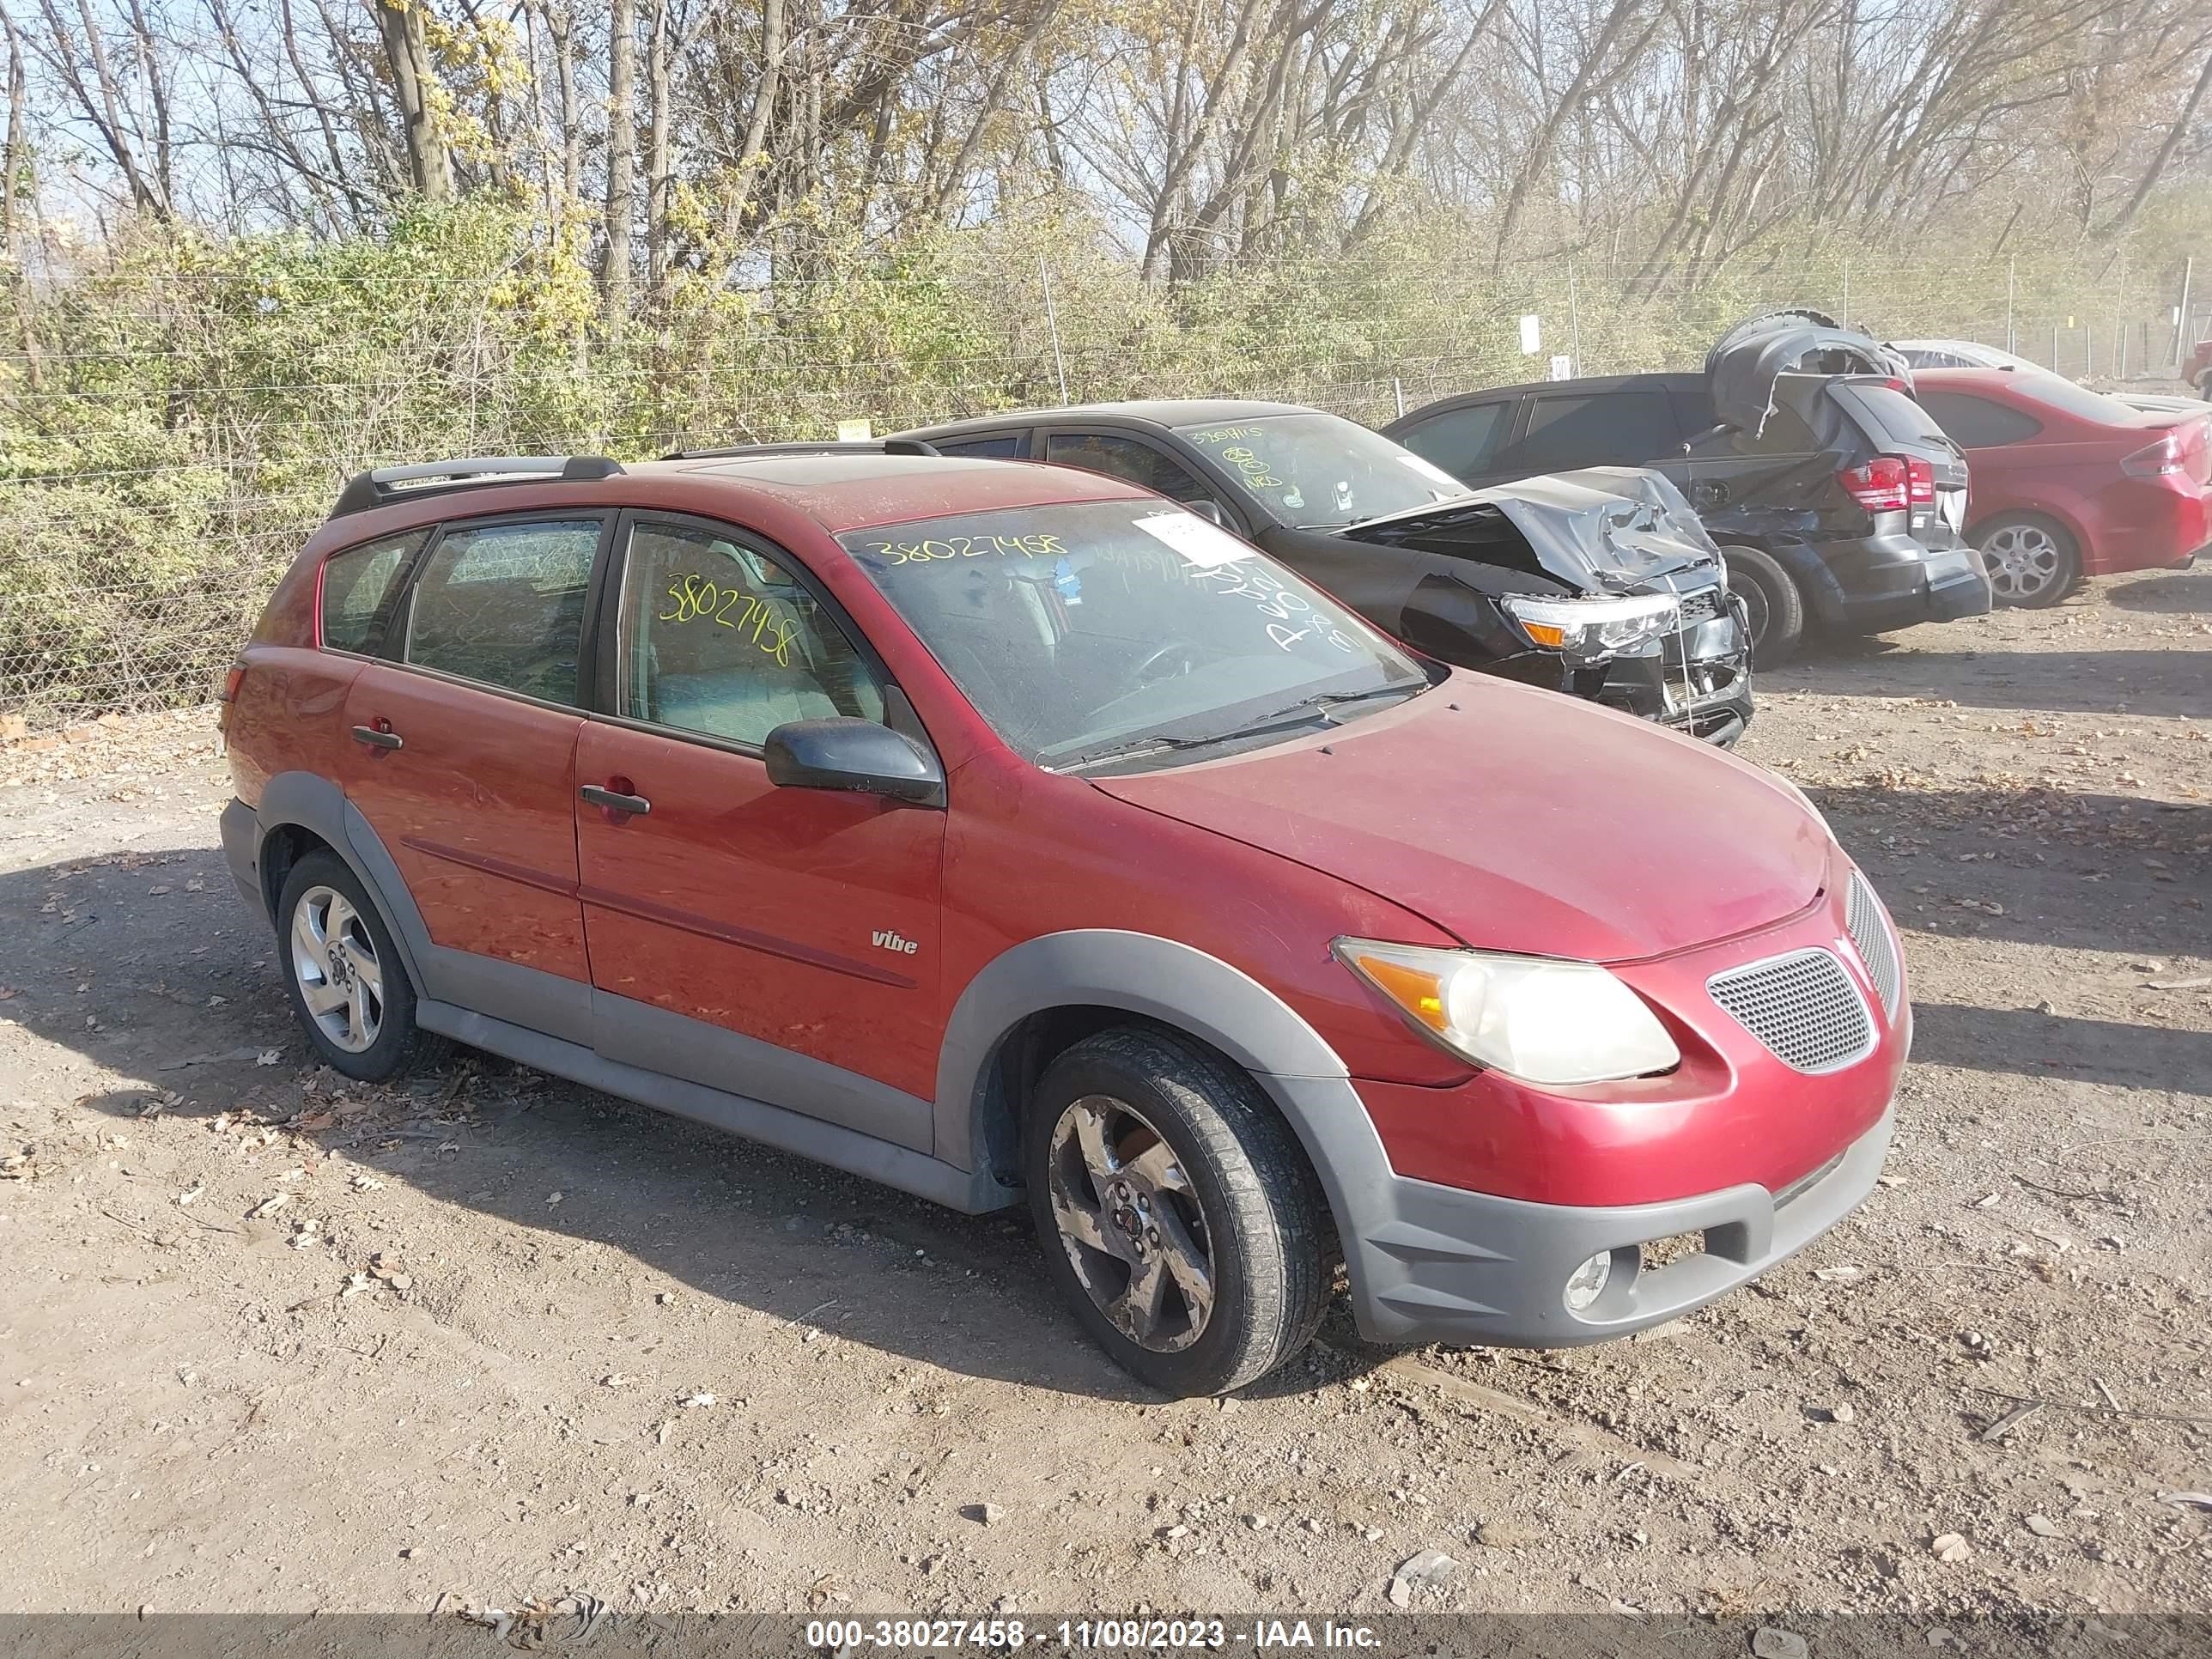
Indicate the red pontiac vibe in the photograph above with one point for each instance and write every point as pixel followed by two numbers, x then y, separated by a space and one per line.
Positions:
pixel 1011 835
pixel 2066 483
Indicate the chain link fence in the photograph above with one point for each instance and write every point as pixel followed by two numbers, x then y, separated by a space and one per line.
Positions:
pixel 167 440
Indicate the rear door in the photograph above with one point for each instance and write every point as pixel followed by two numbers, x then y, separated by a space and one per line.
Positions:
pixel 780 942
pixel 1630 425
pixel 463 754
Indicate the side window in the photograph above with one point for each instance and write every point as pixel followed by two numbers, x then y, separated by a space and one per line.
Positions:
pixel 1462 442
pixel 356 585
pixel 1125 458
pixel 503 605
pixel 1007 446
pixel 1975 422
pixel 1618 428
pixel 720 639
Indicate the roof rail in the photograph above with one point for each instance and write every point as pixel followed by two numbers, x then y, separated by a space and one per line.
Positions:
pixel 386 485
pixel 827 446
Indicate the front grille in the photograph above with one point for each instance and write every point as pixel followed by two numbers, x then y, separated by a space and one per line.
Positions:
pixel 1802 1006
pixel 1701 606
pixel 1877 945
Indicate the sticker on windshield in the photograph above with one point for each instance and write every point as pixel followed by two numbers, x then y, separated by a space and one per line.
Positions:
pixel 1203 543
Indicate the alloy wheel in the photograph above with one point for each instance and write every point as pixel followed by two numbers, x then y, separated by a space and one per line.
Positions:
pixel 335 963
pixel 1131 1223
pixel 2024 562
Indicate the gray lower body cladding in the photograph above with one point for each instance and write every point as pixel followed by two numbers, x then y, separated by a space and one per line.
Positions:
pixel 1441 1265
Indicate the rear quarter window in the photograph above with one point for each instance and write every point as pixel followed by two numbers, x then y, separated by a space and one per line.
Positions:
pixel 357 584
pixel 1978 423
pixel 1888 416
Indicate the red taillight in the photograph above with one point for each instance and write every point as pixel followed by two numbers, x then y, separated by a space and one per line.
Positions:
pixel 2154 460
pixel 232 681
pixel 1920 483
pixel 1882 485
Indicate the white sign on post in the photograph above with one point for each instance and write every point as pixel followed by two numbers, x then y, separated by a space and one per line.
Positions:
pixel 1532 335
pixel 1563 368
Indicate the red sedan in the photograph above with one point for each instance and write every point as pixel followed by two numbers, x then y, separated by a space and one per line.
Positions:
pixel 2068 482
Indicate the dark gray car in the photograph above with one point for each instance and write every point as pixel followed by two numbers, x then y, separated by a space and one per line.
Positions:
pixel 1600 582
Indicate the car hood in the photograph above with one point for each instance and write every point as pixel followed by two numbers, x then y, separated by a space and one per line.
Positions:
pixel 1742 367
pixel 1599 530
pixel 1519 820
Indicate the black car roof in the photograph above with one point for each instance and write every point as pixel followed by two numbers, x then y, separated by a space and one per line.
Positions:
pixel 1157 412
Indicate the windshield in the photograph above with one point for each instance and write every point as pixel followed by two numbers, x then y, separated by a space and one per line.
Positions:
pixel 1083 627
pixel 1322 472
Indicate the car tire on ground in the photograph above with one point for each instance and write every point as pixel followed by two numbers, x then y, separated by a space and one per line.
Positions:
pixel 2033 560
pixel 347 983
pixel 1176 1211
pixel 1771 596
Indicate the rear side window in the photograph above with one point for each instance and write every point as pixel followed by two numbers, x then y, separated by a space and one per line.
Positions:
pixel 1462 442
pixel 503 605
pixel 1886 414
pixel 1007 446
pixel 1125 458
pixel 717 638
pixel 356 585
pixel 1977 422
pixel 1620 428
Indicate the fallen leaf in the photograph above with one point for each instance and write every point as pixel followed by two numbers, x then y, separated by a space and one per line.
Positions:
pixel 269 1206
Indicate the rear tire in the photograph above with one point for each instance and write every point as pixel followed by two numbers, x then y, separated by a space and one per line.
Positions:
pixel 1773 601
pixel 348 985
pixel 2033 562
pixel 1177 1213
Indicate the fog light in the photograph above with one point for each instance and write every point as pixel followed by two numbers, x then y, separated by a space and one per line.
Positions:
pixel 1587 1283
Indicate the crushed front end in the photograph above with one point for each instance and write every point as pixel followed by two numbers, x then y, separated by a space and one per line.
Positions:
pixel 1695 677
pixel 1601 583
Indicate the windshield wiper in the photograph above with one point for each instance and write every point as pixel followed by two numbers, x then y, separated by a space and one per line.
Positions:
pixel 1321 703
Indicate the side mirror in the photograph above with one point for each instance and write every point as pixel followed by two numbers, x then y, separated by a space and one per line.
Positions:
pixel 1207 507
pixel 857 757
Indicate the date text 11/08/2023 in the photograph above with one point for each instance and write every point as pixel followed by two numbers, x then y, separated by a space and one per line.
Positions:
pixel 1006 1635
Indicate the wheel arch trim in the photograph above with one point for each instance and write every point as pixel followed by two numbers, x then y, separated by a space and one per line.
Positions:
pixel 307 801
pixel 1184 989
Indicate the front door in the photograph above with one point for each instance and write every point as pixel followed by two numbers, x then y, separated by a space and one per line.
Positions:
pixel 778 943
pixel 463 763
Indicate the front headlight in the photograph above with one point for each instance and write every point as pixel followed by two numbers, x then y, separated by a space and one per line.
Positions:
pixel 1586 628
pixel 1533 1017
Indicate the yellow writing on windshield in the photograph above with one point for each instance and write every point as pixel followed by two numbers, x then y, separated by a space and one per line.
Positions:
pixel 969 547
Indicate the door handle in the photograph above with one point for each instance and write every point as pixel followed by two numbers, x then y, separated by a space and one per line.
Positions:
pixel 376 738
pixel 615 801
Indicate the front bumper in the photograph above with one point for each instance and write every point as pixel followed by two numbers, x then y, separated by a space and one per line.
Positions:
pixel 1444 1265
pixel 1697 680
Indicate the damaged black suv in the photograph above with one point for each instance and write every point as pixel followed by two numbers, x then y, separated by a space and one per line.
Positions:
pixel 1600 582
pixel 1837 500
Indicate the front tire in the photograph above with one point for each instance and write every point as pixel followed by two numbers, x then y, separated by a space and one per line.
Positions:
pixel 1177 1213
pixel 348 985
pixel 1773 603
pixel 2033 561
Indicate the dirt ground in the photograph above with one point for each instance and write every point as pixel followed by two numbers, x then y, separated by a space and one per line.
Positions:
pixel 271 1342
